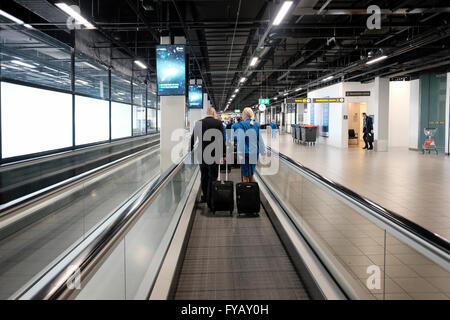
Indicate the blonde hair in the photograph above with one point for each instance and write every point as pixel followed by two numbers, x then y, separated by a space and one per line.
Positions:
pixel 248 113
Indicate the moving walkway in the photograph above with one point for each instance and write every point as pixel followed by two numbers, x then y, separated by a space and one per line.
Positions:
pixel 39 227
pixel 313 239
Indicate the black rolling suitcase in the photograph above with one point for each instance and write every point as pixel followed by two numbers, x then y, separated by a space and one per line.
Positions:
pixel 247 198
pixel 222 195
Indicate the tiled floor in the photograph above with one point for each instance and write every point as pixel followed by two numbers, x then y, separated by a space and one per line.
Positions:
pixel 236 258
pixel 413 185
pixel 353 240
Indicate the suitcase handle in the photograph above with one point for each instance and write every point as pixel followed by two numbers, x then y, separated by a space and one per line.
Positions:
pixel 226 173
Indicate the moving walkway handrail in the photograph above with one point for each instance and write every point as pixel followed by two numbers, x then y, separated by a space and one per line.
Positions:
pixel 433 243
pixel 53 284
pixel 5 208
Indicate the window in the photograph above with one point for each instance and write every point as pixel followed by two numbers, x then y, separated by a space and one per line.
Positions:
pixel 138 121
pixel 120 88
pixel 33 57
pixel 91 120
pixel 91 78
pixel 120 120
pixel 151 120
pixel 34 120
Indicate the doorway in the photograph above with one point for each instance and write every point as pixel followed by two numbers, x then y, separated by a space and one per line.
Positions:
pixel 356 123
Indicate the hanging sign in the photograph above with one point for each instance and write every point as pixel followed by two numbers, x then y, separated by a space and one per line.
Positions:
pixel 264 101
pixel 357 93
pixel 328 100
pixel 299 100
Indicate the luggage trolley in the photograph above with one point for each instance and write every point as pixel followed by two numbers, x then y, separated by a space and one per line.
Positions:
pixel 429 143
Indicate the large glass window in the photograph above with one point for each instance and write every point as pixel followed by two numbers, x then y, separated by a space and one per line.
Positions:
pixel 120 88
pixel 138 120
pixel 34 120
pixel 139 94
pixel 151 120
pixel 33 57
pixel 91 78
pixel 91 120
pixel 120 120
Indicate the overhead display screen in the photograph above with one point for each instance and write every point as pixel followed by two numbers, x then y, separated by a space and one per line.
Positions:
pixel 171 70
pixel 195 96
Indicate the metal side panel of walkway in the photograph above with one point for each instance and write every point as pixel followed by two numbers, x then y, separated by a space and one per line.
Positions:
pixel 237 257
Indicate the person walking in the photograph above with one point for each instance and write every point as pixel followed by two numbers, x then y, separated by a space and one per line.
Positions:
pixel 249 144
pixel 273 127
pixel 209 163
pixel 368 132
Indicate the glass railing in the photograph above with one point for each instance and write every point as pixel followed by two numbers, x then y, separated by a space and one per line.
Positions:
pixel 122 256
pixel 371 252
pixel 33 239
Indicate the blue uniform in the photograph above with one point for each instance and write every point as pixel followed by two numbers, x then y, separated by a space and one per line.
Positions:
pixel 249 145
pixel 274 129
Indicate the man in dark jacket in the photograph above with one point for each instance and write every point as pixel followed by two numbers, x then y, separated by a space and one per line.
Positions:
pixel 209 132
pixel 368 132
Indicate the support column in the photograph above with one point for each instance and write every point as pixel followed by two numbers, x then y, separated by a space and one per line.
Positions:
pixel 173 118
pixel 194 114
pixel 206 104
pixel 381 112
pixel 447 116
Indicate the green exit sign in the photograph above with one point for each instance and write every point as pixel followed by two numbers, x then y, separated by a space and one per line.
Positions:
pixel 237 110
pixel 264 101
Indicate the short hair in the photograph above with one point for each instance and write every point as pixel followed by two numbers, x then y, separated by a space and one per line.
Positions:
pixel 248 112
pixel 212 112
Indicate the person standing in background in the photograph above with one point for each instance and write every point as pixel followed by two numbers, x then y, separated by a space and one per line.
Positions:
pixel 368 132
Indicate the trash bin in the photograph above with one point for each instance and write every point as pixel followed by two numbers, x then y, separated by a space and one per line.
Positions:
pixel 308 134
pixel 298 133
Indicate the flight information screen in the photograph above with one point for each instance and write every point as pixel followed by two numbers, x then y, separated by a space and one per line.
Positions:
pixel 195 96
pixel 171 70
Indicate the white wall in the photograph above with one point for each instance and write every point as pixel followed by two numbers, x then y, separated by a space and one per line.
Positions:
pixel 414 113
pixel 399 117
pixel 338 127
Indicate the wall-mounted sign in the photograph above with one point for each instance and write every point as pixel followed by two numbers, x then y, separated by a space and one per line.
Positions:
pixel 264 101
pixel 328 100
pixel 357 93
pixel 299 100
pixel 171 70
pixel 195 96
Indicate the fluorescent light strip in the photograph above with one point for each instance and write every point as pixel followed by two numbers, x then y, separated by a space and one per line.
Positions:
pixel 376 60
pixel 328 78
pixel 140 64
pixel 82 82
pixel 90 65
pixel 10 17
pixel 78 17
pixel 254 61
pixel 298 89
pixel 243 79
pixel 237 90
pixel 282 13
pixel 23 64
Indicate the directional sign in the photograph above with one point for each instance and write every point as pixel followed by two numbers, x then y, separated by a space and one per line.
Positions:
pixel 264 101
pixel 298 100
pixel 357 93
pixel 328 100
pixel 237 110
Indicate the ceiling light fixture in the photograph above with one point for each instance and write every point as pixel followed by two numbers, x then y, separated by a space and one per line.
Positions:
pixel 376 60
pixel 298 89
pixel 78 17
pixel 282 13
pixel 243 79
pixel 140 64
pixel 328 78
pixel 254 61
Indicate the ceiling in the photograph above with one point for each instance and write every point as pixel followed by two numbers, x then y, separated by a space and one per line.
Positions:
pixel 318 43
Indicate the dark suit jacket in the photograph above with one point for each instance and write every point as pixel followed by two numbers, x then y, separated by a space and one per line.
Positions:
pixel 368 125
pixel 207 123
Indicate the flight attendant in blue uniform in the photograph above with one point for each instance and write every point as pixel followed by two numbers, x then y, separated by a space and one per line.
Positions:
pixel 249 144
